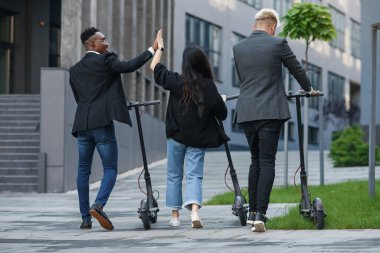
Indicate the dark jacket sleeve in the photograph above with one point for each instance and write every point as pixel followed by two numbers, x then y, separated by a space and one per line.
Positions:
pixel 219 109
pixel 169 80
pixel 293 65
pixel 73 89
pixel 127 66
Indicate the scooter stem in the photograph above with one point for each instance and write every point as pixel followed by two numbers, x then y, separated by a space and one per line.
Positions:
pixel 146 171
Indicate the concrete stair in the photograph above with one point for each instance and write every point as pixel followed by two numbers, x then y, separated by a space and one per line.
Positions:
pixel 19 142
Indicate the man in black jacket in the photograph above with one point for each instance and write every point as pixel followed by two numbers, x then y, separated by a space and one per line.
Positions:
pixel 96 84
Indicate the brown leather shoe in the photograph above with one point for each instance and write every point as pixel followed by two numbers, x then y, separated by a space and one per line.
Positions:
pixel 96 211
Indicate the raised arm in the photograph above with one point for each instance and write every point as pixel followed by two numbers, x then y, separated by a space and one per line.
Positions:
pixel 158 54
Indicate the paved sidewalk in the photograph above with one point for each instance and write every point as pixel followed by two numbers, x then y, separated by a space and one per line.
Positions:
pixel 49 222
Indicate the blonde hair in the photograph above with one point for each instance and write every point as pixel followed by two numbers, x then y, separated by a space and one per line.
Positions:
pixel 267 13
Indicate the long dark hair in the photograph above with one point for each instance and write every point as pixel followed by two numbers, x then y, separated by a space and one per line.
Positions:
pixel 195 69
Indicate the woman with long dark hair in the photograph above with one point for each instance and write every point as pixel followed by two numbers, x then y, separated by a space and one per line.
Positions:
pixel 191 126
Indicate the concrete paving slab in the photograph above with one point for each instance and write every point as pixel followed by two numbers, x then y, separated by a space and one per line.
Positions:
pixel 49 222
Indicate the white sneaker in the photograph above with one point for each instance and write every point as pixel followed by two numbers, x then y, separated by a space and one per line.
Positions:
pixel 258 226
pixel 174 222
pixel 196 220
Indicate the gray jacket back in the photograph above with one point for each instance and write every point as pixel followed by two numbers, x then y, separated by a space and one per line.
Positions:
pixel 259 59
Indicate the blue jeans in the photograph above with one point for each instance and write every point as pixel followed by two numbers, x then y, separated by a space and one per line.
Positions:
pixel 176 154
pixel 103 138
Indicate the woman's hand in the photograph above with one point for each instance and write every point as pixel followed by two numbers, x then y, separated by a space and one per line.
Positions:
pixel 160 40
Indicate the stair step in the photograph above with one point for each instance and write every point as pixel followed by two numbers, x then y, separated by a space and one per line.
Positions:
pixel 18 129
pixel 19 179
pixel 35 117
pixel 20 105
pixel 8 187
pixel 19 99
pixel 20 163
pixel 19 171
pixel 19 111
pixel 19 149
pixel 20 136
pixel 19 156
pixel 18 143
pixel 20 123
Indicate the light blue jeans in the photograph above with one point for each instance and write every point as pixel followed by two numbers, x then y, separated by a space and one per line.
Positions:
pixel 176 155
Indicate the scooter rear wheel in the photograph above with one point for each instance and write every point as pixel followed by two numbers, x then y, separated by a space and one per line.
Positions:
pixel 242 216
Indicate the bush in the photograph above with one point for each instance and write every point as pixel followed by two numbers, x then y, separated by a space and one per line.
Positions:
pixel 349 149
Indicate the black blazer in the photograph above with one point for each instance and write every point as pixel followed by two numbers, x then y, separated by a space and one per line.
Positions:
pixel 188 128
pixel 96 83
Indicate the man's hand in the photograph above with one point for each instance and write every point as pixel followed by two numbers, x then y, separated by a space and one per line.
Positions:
pixel 314 93
pixel 155 43
pixel 224 97
pixel 311 93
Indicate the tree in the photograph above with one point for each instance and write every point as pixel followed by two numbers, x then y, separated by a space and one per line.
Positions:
pixel 308 21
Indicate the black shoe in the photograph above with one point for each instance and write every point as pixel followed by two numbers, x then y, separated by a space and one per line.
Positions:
pixel 251 218
pixel 96 211
pixel 86 225
pixel 259 223
pixel 261 217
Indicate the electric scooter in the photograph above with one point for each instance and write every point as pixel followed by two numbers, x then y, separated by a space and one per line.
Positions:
pixel 148 207
pixel 239 208
pixel 315 210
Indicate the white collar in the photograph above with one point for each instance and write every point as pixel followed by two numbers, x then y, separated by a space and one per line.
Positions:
pixel 92 52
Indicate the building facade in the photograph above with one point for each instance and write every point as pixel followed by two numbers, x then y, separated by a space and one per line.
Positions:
pixel 370 16
pixel 45 33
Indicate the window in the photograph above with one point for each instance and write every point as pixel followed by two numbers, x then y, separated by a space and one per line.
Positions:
pixel 208 37
pixel 313 1
pixel 235 78
pixel 254 3
pixel 6 51
pixel 338 21
pixel 314 74
pixel 234 126
pixel 282 6
pixel 355 39
pixel 336 88
pixel 288 5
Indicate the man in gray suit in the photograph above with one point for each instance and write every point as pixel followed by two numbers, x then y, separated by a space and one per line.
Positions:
pixel 262 106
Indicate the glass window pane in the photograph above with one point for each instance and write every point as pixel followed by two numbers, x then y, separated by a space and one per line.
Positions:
pixel 208 37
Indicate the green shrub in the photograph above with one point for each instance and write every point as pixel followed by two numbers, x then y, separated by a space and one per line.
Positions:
pixel 349 149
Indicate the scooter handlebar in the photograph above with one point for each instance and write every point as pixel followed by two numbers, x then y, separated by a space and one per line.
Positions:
pixel 146 103
pixel 302 94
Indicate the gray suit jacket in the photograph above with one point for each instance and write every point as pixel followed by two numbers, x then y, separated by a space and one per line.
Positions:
pixel 258 61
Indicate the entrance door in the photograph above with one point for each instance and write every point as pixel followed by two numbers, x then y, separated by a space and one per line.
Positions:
pixel 6 46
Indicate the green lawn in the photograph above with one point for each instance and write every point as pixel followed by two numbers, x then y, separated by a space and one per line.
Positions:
pixel 347 206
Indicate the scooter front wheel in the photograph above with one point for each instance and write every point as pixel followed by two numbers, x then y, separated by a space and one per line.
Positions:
pixel 242 216
pixel 320 219
pixel 145 219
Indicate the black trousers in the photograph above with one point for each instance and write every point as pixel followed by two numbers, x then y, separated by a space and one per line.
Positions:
pixel 262 137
